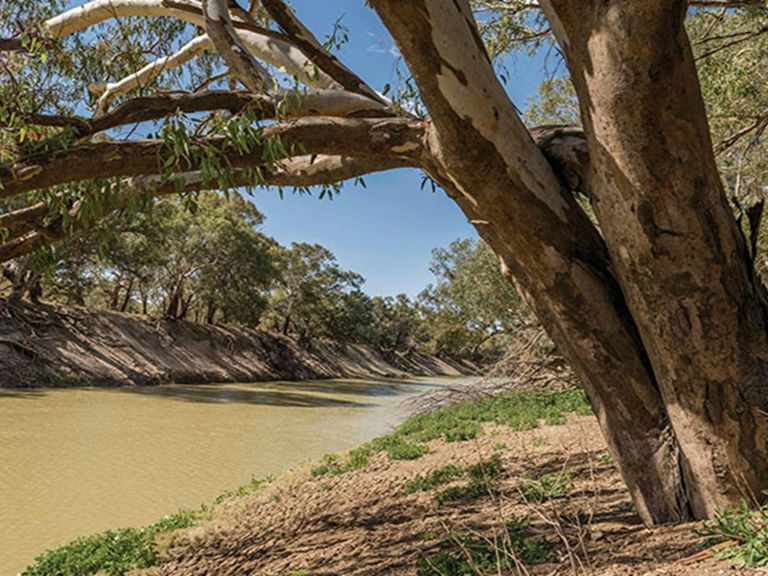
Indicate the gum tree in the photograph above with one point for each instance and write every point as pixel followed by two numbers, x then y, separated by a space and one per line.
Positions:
pixel 656 306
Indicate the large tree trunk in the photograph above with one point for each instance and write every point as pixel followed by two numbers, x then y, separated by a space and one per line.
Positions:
pixel 680 258
pixel 486 160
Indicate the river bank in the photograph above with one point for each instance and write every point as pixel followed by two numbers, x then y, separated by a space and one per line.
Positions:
pixel 514 485
pixel 51 346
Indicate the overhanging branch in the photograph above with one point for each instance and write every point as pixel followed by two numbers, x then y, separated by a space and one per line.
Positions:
pixel 385 138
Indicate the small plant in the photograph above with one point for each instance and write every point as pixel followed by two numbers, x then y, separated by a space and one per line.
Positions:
pixel 481 478
pixel 605 458
pixel 463 431
pixel 747 528
pixel 399 448
pixel 329 464
pixel 435 478
pixel 465 555
pixel 546 486
pixel 245 490
pixel 332 464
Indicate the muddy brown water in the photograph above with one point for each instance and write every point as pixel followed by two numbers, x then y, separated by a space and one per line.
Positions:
pixel 80 461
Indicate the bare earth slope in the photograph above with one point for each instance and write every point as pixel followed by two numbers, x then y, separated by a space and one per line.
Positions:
pixel 46 345
pixel 362 522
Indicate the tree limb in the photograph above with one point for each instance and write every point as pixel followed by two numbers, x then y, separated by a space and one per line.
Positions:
pixel 298 172
pixel 265 45
pixel 303 38
pixel 385 138
pixel 285 105
pixel 225 38
pixel 108 92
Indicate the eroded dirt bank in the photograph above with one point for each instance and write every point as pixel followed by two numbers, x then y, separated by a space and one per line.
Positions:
pixel 45 345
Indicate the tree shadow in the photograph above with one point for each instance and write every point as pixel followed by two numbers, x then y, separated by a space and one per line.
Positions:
pixel 23 393
pixel 224 395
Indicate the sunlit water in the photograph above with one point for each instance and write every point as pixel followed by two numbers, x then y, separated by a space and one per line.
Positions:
pixel 76 462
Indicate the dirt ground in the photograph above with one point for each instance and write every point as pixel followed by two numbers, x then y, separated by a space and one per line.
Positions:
pixel 362 523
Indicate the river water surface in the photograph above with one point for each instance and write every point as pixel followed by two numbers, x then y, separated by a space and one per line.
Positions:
pixel 75 462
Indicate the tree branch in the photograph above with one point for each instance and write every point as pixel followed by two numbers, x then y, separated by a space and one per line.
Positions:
pixel 108 92
pixel 384 138
pixel 287 105
pixel 303 38
pixel 31 231
pixel 225 38
pixel 264 44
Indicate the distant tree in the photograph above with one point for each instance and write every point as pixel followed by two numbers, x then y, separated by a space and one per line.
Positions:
pixel 471 302
pixel 311 293
pixel 396 323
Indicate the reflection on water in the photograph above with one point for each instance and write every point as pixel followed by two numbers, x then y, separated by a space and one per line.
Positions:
pixel 75 462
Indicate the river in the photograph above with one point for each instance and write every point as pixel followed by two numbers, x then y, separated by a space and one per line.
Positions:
pixel 79 461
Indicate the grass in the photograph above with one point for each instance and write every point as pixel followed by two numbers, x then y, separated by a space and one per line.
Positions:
pixel 332 464
pixel 467 554
pixel 461 422
pixel 748 528
pixel 546 486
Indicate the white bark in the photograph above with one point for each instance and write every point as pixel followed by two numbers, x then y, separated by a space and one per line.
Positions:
pixel 227 41
pixel 274 51
pixel 108 92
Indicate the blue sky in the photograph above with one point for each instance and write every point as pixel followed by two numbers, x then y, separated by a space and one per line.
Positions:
pixel 386 231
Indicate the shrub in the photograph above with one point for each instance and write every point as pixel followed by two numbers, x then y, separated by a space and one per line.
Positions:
pixel 114 552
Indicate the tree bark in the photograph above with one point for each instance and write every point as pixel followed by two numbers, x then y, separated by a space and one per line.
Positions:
pixel 486 160
pixel 679 255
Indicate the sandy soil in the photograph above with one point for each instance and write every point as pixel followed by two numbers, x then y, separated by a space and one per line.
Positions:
pixel 361 523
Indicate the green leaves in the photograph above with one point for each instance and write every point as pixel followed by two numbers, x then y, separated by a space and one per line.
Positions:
pixel 747 528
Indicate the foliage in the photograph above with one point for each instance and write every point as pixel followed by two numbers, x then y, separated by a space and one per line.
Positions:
pixel 398 447
pixel 114 552
pixel 196 257
pixel 474 555
pixel 315 298
pixel 471 302
pixel 481 479
pixel 518 410
pixel 747 527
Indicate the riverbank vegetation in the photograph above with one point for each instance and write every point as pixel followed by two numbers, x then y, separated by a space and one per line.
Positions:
pixel 204 260
pixel 531 492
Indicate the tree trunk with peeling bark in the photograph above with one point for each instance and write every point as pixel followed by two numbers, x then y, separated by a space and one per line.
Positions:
pixel 659 310
pixel 680 257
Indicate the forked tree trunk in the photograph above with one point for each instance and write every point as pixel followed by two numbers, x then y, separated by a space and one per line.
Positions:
pixel 681 260
pixel 486 160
